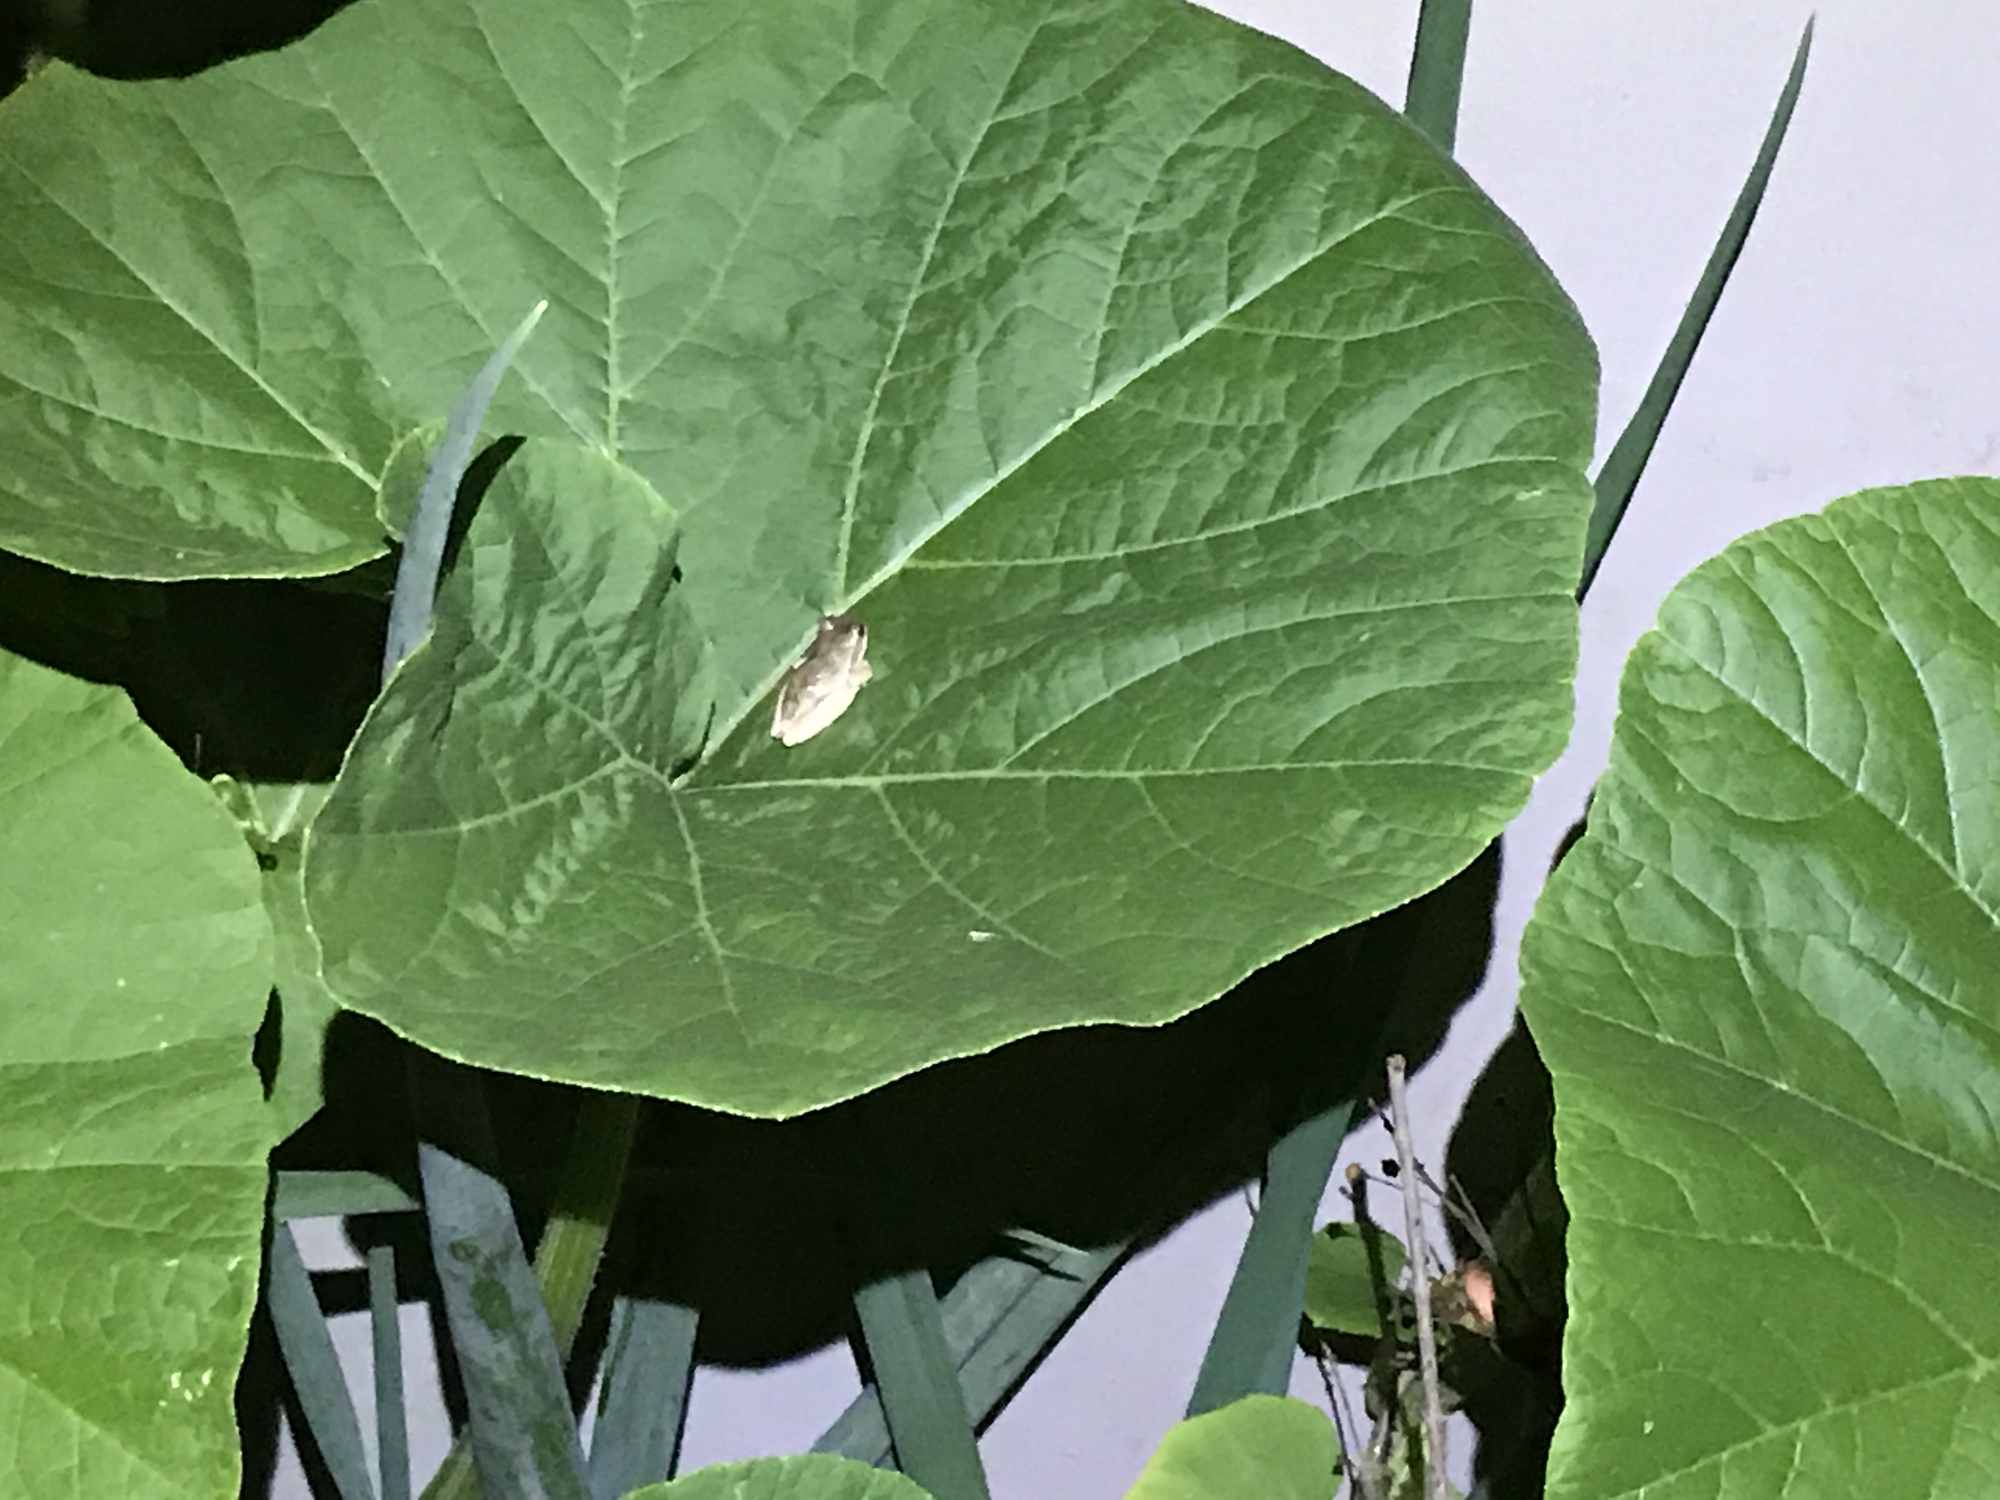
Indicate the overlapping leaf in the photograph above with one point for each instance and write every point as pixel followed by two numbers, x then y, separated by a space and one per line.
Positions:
pixel 1353 1278
pixel 1200 448
pixel 1764 984
pixel 132 1136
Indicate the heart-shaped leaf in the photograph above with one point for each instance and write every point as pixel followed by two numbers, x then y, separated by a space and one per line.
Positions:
pixel 1353 1277
pixel 1200 450
pixel 1764 985
pixel 809 1476
pixel 135 967
pixel 1258 1448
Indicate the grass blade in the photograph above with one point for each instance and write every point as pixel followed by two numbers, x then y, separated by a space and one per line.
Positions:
pixel 392 1436
pixel 572 1245
pixel 523 1437
pixel 415 594
pixel 1257 1333
pixel 1437 69
pixel 1006 1312
pixel 649 1362
pixel 1619 476
pixel 999 1318
pixel 904 1330
pixel 314 1368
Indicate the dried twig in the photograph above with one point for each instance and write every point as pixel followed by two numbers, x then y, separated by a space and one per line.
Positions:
pixel 1457 1204
pixel 1420 1289
pixel 1359 1478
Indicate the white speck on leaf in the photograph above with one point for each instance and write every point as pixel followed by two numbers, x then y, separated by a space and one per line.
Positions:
pixel 981 935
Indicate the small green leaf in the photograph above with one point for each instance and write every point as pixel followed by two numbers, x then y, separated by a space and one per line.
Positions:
pixel 1763 983
pixel 1258 1448
pixel 812 1476
pixel 1353 1273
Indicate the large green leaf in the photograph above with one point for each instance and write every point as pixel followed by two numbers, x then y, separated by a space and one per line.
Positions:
pixel 833 270
pixel 1258 1448
pixel 1764 985
pixel 135 966
pixel 1200 448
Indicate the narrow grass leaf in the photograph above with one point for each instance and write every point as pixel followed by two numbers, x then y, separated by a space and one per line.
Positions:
pixel 392 1436
pixel 648 1365
pixel 1256 1334
pixel 904 1330
pixel 572 1245
pixel 999 1318
pixel 1619 476
pixel 307 1349
pixel 523 1437
pixel 1437 69
pixel 423 544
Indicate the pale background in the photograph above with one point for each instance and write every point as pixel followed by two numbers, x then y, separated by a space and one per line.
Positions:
pixel 1854 348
